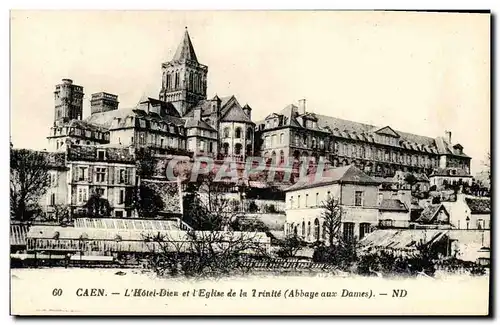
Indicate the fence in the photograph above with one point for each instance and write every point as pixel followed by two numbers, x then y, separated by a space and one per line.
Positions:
pixel 288 264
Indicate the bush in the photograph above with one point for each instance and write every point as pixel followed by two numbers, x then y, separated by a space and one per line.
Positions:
pixel 290 246
pixel 253 207
pixel 341 254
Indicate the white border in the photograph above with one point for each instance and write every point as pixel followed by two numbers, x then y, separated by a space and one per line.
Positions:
pixel 198 5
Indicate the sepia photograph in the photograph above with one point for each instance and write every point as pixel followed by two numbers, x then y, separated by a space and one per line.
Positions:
pixel 250 163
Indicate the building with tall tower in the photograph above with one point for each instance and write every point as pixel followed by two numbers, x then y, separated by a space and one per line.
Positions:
pixel 184 79
pixel 185 121
pixel 68 99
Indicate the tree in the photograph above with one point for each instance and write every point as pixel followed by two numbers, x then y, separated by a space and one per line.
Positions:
pixel 29 180
pixel 147 202
pixel 97 206
pixel 290 246
pixel 411 180
pixel 332 219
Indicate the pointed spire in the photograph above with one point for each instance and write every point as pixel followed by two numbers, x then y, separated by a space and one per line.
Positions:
pixel 185 51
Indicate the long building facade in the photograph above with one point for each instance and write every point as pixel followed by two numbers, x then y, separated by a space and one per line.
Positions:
pixel 184 121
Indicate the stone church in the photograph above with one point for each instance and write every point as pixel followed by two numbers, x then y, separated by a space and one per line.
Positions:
pixel 184 121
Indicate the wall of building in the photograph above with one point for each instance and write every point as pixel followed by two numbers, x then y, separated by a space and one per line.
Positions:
pixel 57 192
pixel 459 212
pixel 398 219
pixel 230 140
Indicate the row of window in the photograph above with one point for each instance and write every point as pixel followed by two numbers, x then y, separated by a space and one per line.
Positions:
pixel 238 133
pixel 316 233
pixel 358 200
pixel 202 133
pixel 83 195
pixel 202 145
pixel 271 141
pixel 100 175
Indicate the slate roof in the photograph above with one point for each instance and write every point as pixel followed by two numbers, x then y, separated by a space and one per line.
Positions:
pixel 89 153
pixel 479 205
pixel 346 174
pixel 459 172
pixel 364 132
pixel 185 50
pixel 118 118
pixel 444 147
pixel 393 205
pixel 192 123
pixel 235 113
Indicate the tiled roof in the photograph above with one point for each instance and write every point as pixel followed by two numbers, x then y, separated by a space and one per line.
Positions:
pixel 393 205
pixel 479 205
pixel 430 211
pixel 89 153
pixel 345 174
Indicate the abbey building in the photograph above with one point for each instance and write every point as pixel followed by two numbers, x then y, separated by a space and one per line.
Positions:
pixel 183 120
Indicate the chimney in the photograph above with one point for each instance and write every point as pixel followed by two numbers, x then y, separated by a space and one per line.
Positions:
pixel 302 106
pixel 103 102
pixel 448 136
pixel 197 114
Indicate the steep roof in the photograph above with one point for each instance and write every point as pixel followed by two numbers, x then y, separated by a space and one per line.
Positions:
pixel 479 205
pixel 430 211
pixel 361 131
pixel 192 123
pixel 185 50
pixel 393 205
pixel 446 148
pixel 346 174
pixel 234 113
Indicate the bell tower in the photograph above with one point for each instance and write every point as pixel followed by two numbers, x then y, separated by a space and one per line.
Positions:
pixel 184 79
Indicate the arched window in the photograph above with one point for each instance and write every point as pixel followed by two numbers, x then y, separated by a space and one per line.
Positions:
pixel 237 149
pixel 282 157
pixel 237 133
pixel 225 148
pixel 304 140
pixel 316 229
pixel 177 81
pixel 314 142
pixel 309 229
pixel 226 132
pixel 303 228
pixel 249 133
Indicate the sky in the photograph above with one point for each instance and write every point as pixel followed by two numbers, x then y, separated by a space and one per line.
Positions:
pixel 421 73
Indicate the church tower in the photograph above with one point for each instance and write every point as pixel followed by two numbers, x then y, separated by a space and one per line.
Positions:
pixel 184 79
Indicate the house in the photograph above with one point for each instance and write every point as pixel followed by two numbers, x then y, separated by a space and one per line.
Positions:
pixel 449 176
pixel 434 214
pixel 469 212
pixel 393 213
pixel 106 170
pixel 355 192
